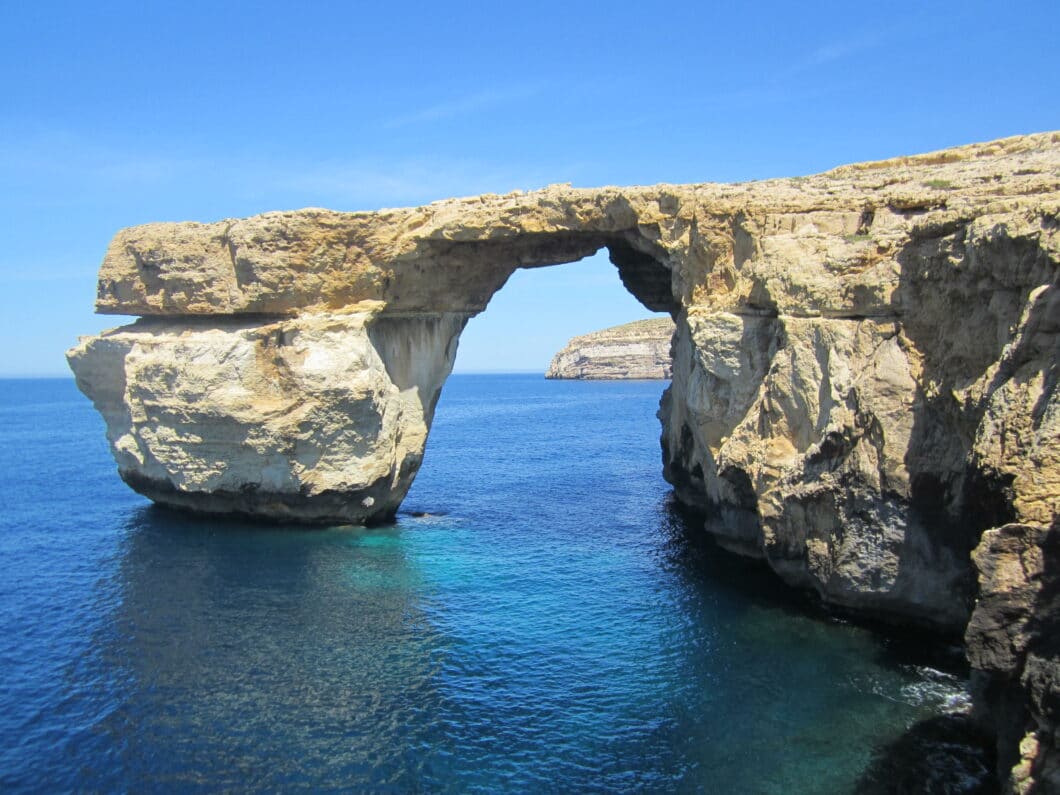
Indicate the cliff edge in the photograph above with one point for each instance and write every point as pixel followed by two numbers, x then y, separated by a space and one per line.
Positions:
pixel 864 390
pixel 637 350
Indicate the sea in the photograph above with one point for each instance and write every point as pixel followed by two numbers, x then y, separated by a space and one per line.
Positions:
pixel 540 618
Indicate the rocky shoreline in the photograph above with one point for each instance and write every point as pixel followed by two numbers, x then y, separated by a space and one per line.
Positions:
pixel 637 350
pixel 864 384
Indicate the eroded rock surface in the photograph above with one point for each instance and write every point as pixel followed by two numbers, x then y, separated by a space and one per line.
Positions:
pixel 637 350
pixel 321 417
pixel 1013 643
pixel 864 374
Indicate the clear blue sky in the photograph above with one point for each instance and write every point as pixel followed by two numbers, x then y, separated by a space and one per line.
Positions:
pixel 113 114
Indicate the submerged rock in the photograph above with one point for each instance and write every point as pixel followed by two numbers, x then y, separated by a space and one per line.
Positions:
pixel 945 755
pixel 637 350
pixel 865 368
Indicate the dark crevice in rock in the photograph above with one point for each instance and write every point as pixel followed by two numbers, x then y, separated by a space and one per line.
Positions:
pixel 868 215
pixel 252 502
pixel 679 466
pixel 644 276
pixel 226 322
pixel 987 500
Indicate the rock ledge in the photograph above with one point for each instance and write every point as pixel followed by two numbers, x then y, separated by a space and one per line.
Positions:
pixel 637 350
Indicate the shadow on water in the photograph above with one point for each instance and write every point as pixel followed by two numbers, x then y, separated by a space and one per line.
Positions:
pixel 261 658
pixel 256 656
pixel 248 656
pixel 939 755
pixel 688 546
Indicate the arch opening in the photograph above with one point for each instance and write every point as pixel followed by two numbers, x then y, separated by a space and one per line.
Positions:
pixel 549 304
pixel 465 274
pixel 540 308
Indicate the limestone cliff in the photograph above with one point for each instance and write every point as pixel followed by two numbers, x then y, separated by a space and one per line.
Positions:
pixel 865 370
pixel 1013 643
pixel 640 349
pixel 320 417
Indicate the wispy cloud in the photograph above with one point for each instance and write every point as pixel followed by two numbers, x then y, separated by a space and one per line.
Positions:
pixel 462 106
pixel 36 272
pixel 836 51
pixel 840 49
pixel 786 85
pixel 51 168
pixel 369 184
pixel 38 154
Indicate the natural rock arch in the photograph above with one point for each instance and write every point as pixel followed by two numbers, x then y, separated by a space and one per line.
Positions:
pixel 287 366
pixel 278 371
pixel 864 374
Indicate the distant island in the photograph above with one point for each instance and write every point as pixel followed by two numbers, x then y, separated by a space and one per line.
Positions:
pixel 637 350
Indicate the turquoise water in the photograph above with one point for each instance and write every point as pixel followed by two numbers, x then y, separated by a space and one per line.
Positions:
pixel 550 624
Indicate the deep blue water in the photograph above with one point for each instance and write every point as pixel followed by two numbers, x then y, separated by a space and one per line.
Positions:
pixel 551 626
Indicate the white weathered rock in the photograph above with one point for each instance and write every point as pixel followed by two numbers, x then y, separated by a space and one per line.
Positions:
pixel 323 417
pixel 637 350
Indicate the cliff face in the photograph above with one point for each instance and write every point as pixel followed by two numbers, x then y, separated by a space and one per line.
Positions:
pixel 1013 643
pixel 864 373
pixel 640 349
pixel 319 417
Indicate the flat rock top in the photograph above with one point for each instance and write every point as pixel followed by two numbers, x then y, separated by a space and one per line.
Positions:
pixel 452 255
pixel 651 329
pixel 640 349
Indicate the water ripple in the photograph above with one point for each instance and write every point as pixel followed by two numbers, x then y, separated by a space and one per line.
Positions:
pixel 539 619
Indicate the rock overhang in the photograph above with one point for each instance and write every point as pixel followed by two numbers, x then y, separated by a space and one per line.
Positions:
pixel 864 360
pixel 453 255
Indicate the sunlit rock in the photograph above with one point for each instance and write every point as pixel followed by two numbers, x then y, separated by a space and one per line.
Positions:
pixel 640 349
pixel 865 366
